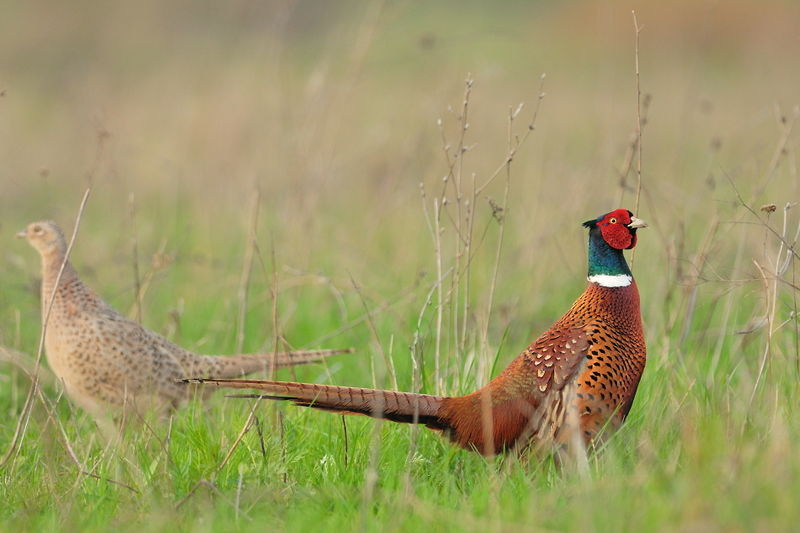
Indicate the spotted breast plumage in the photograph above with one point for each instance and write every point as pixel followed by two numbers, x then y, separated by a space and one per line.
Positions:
pixel 573 384
pixel 107 361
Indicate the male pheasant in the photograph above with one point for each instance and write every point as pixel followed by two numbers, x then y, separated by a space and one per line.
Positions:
pixel 570 385
pixel 107 361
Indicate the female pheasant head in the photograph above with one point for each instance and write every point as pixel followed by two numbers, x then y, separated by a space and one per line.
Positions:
pixel 46 237
pixel 609 234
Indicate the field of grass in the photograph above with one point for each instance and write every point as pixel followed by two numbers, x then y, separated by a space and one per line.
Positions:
pixel 333 125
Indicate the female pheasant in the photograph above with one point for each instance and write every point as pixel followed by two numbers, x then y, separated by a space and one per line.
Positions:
pixel 107 361
pixel 570 385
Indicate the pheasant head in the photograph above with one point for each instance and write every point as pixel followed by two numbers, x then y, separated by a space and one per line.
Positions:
pixel 46 237
pixel 609 234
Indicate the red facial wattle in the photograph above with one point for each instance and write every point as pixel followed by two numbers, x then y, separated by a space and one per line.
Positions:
pixel 615 231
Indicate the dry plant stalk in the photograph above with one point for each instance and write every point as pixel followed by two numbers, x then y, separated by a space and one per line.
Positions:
pixel 159 261
pixel 639 125
pixel 514 142
pixel 455 208
pixel 274 292
pixel 638 120
pixel 137 288
pixel 247 269
pixel 772 270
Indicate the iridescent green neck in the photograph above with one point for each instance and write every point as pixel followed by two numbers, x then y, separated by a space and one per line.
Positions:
pixel 603 259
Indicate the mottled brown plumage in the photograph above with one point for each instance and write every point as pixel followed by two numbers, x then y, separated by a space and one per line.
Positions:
pixel 107 361
pixel 572 384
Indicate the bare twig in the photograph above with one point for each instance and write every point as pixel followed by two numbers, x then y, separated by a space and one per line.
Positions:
pixel 513 145
pixel 416 377
pixel 454 301
pixel 247 268
pixel 437 373
pixel 638 29
pixel 790 247
pixel 344 434
pixel 765 357
pixel 260 432
pixel 796 320
pixel 273 288
pixel 158 261
pixel 519 141
pixel 137 289
pixel 459 224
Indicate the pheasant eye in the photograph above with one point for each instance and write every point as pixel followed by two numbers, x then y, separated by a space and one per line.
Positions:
pixel 613 220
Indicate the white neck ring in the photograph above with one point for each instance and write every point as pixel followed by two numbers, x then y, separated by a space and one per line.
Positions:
pixel 607 280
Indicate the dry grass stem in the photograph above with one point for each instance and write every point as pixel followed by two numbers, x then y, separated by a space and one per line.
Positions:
pixel 637 29
pixel 247 269
pixel 137 289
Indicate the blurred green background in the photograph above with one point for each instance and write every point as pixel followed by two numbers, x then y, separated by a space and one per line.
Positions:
pixel 184 116
pixel 329 110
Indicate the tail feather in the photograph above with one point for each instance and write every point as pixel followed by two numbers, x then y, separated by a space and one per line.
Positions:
pixel 396 406
pixel 230 366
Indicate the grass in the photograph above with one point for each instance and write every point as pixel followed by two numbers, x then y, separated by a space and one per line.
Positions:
pixel 332 115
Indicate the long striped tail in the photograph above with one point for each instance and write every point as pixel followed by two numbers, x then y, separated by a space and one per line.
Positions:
pixel 396 406
pixel 231 366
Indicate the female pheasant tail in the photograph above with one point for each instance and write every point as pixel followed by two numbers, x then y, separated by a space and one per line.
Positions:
pixel 107 361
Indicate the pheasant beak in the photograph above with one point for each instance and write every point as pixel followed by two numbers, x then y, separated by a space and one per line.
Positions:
pixel 637 223
pixel 22 234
